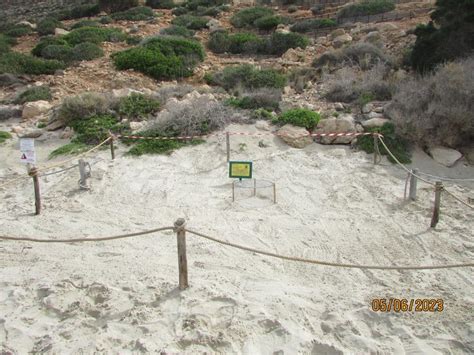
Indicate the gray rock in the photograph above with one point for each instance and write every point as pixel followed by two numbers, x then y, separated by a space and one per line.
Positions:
pixel 55 125
pixel 338 106
pixel 31 133
pixel 375 122
pixel 469 154
pixel 343 124
pixel 35 108
pixel 9 111
pixel 10 79
pixel 374 114
pixel 60 32
pixel 337 33
pixel 339 41
pixel 367 108
pixel 372 37
pixel 445 156
pixel 296 137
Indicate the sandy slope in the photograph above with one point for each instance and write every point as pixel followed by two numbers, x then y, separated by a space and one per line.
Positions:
pixel 333 204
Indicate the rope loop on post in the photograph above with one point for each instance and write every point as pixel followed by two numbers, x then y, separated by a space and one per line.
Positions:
pixel 179 225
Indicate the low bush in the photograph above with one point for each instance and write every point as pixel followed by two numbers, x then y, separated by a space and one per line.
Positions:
pixel 244 43
pixel 18 31
pixel 159 146
pixel 191 22
pixel 317 9
pixel 139 13
pixel 47 41
pixel 299 78
pixel 111 6
pixel 437 108
pixel 279 43
pixel 267 23
pixel 207 11
pixel 247 17
pixel 166 92
pixel 292 9
pixel 399 147
pixel 47 26
pixel 138 106
pixel 34 93
pixel 81 11
pixel 299 117
pixel 4 136
pixel 248 77
pixel 5 43
pixel 94 35
pixel 366 7
pixel 95 129
pixel 134 40
pixel 178 11
pixel 364 55
pixel 89 104
pixel 105 20
pixel 18 63
pixel 265 98
pixel 57 52
pixel 312 24
pixel 85 23
pixel 262 114
pixel 160 4
pixel 86 51
pixel 177 31
pixel 162 57
pixel 72 148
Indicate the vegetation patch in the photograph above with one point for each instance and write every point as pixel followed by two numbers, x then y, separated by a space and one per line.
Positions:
pixel 247 17
pixel 263 98
pixel 177 31
pixel 366 7
pixel 18 63
pixel 116 5
pixel 299 117
pixel 5 43
pixel 89 104
pixel 94 35
pixel 139 13
pixel 397 145
pixel 191 22
pixel 162 57
pixel 160 4
pixel 159 146
pixel 268 23
pixel 18 31
pixel 34 93
pixel 77 12
pixel 85 23
pixel 95 129
pixel 4 136
pixel 86 51
pixel 47 26
pixel 312 24
pixel 138 106
pixel 72 148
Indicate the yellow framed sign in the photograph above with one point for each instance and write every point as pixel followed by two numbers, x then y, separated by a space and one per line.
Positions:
pixel 240 169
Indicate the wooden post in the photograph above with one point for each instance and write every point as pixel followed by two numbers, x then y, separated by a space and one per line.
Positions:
pixel 227 141
pixel 179 226
pixel 413 181
pixel 112 148
pixel 376 142
pixel 255 187
pixel 34 174
pixel 83 175
pixel 233 191
pixel 274 193
pixel 435 218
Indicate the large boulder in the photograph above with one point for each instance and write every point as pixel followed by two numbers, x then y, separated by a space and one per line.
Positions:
pixel 60 32
pixel 120 93
pixel 31 133
pixel 341 124
pixel 35 109
pixel 375 122
pixel 336 33
pixel 445 156
pixel 9 111
pixel 296 137
pixel 294 55
pixel 339 41
pixel 10 79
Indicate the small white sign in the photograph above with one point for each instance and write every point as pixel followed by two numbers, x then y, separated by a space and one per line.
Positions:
pixel 28 157
pixel 27 144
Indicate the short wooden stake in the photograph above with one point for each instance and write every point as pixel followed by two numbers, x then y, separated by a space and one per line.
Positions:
pixel 83 175
pixel 255 187
pixel 233 191
pixel 112 148
pixel 227 141
pixel 34 174
pixel 179 227
pixel 413 182
pixel 376 142
pixel 435 218
pixel 274 193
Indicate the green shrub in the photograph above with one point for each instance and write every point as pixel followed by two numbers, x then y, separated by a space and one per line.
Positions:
pixel 18 63
pixel 18 31
pixel 139 13
pixel 262 114
pixel 247 76
pixel 205 11
pixel 138 105
pixel 267 23
pixel 317 9
pixel 219 42
pixel 77 12
pixel 292 9
pixel 190 21
pixel 134 40
pixel 312 24
pixel 162 57
pixel 299 117
pixel 95 129
pixel 4 136
pixel 243 43
pixel 94 35
pixel 177 31
pixel 397 145
pixel 47 26
pixel 247 17
pixel 261 98
pixel 89 104
pixel 105 20
pixel 72 148
pixel 159 146
pixel 116 5
pixel 85 23
pixel 45 42
pixel 34 93
pixel 160 4
pixel 86 51
pixel 366 7
pixel 5 43
pixel 57 52
pixel 178 11
pixel 279 43
pixel 365 55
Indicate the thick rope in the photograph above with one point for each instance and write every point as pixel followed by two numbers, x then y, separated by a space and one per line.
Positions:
pixel 76 240
pixel 443 178
pixel 59 171
pixel 327 263
pixel 458 199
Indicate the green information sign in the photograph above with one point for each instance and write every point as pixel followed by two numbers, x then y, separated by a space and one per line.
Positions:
pixel 240 169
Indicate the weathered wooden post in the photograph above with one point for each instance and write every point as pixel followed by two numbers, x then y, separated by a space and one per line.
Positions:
pixel 233 191
pixel 376 145
pixel 255 187
pixel 438 189
pixel 227 141
pixel 179 228
pixel 112 148
pixel 33 172
pixel 413 181
pixel 274 193
pixel 83 175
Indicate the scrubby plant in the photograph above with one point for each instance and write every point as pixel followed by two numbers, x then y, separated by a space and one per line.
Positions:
pixel 437 108
pixel 265 98
pixel 177 31
pixel 34 93
pixel 219 42
pixel 105 20
pixel 299 78
pixel 5 43
pixel 279 43
pixel 139 13
pixel 244 43
pixel 111 6
pixel 248 77
pixel 168 91
pixel 292 9
pixel 262 114
pixel 312 24
pixel 86 51
pixel 18 63
pixel 94 35
pixel 207 11
pixel 159 146
pixel 178 11
pixel 18 31
pixel 134 40
pixel 86 10
pixel 247 17
pixel 399 146
pixel 160 4
pixel 138 106
pixel 267 23
pixel 85 23
pixel 299 117
pixel 89 104
pixel 162 57
pixel 95 129
pixel 47 26
pixel 57 52
pixel 4 136
pixel 317 9
pixel 47 41
pixel 366 7
pixel 191 22
pixel 72 148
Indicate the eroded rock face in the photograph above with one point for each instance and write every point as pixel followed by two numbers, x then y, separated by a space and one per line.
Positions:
pixel 445 156
pixel 375 122
pixel 339 41
pixel 9 111
pixel 341 124
pixel 296 137
pixel 35 109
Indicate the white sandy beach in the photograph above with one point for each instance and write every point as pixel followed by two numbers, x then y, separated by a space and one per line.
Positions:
pixel 333 204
